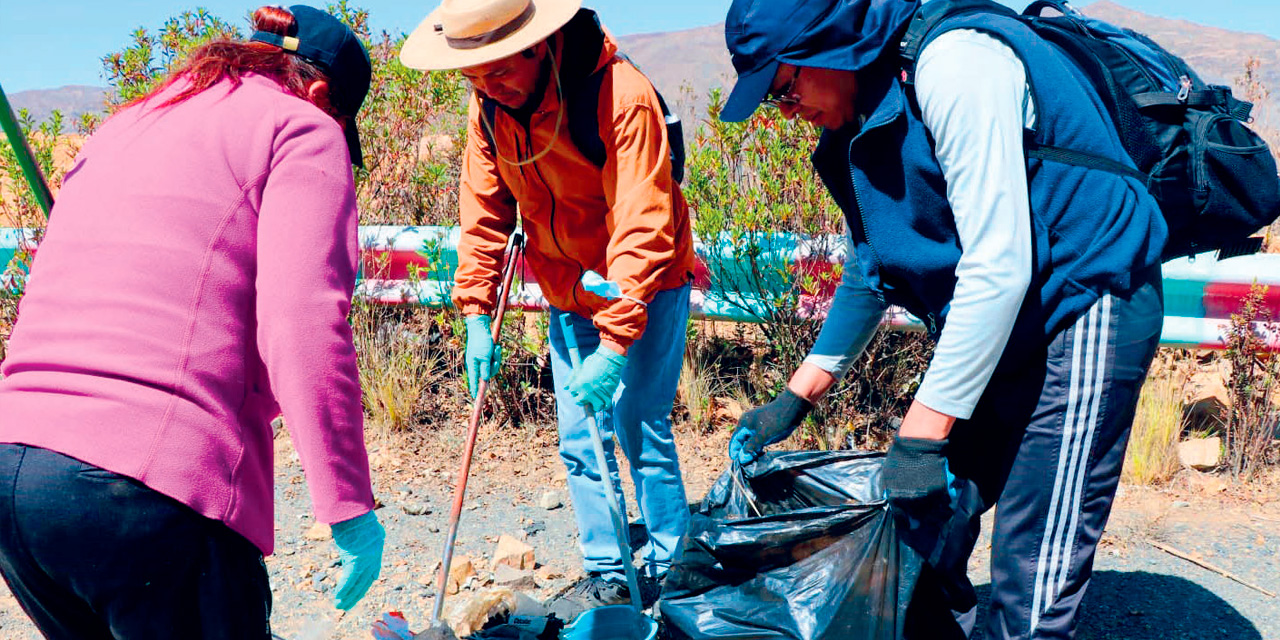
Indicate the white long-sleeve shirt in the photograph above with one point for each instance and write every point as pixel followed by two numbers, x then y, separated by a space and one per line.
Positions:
pixel 975 101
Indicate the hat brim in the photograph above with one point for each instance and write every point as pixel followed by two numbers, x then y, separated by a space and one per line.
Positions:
pixel 429 50
pixel 748 92
pixel 353 144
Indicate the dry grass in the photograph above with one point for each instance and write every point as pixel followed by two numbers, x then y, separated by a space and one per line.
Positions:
pixel 398 369
pixel 696 392
pixel 1152 457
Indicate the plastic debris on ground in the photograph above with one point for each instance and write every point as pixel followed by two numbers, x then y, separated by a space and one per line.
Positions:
pixel 393 626
pixel 798 545
pixel 614 622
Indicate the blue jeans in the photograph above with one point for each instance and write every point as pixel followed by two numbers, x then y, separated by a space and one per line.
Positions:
pixel 641 421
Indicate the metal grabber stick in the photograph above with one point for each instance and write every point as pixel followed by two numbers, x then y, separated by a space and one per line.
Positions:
pixel 606 480
pixel 477 411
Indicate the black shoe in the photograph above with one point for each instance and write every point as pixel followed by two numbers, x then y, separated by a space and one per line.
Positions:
pixel 650 590
pixel 637 535
pixel 589 593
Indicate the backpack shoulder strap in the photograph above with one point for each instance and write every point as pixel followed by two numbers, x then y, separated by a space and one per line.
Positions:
pixel 488 111
pixel 926 20
pixel 675 128
pixel 583 105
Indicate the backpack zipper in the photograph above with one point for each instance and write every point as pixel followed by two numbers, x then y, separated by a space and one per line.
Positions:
pixel 1197 153
pixel 1184 88
pixel 1124 51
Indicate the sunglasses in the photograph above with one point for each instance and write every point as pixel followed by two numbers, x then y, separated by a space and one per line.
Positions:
pixel 786 97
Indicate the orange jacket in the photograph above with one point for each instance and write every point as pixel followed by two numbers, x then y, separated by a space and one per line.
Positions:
pixel 627 221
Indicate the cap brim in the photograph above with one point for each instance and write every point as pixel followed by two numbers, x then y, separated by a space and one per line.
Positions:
pixel 353 145
pixel 748 92
pixel 429 50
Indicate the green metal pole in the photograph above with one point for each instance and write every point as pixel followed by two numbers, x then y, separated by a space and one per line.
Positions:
pixel 26 159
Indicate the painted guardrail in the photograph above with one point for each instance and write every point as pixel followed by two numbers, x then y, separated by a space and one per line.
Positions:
pixel 415 265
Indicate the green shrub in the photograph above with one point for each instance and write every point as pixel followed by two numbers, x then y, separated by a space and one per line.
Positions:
pixel 134 71
pixel 18 206
pixel 754 192
pixel 1254 415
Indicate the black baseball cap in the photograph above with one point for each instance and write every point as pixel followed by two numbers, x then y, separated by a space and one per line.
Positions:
pixel 323 40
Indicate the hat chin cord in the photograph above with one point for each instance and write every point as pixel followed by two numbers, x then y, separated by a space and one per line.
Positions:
pixel 555 73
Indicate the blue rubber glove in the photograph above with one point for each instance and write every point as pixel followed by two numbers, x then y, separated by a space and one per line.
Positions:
pixel 359 541
pixel 594 381
pixel 483 356
pixel 766 425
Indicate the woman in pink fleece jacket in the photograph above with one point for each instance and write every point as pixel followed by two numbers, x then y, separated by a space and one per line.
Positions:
pixel 195 280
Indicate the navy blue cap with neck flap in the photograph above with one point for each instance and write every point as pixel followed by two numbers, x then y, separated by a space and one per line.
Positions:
pixel 830 34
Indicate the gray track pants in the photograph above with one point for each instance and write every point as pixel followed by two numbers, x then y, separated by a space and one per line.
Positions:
pixel 1045 446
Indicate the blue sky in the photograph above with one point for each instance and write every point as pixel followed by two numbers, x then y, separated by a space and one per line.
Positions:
pixel 51 43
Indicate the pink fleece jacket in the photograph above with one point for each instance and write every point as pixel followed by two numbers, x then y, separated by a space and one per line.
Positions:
pixel 198 268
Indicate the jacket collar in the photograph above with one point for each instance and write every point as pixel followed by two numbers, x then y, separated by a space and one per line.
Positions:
pixel 881 97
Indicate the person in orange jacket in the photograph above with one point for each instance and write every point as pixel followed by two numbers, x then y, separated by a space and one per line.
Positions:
pixel 624 218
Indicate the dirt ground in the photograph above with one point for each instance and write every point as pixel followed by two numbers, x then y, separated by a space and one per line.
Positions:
pixel 1139 592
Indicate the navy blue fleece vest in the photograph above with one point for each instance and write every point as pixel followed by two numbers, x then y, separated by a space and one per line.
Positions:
pixel 1091 229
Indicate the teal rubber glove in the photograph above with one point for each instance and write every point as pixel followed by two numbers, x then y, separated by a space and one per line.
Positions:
pixel 483 356
pixel 359 541
pixel 593 383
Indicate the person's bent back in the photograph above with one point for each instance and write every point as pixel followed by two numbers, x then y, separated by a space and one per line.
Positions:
pixel 198 267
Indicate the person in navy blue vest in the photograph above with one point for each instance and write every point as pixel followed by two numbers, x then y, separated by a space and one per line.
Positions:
pixel 1039 281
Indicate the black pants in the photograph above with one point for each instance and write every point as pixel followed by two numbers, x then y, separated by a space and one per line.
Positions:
pixel 94 555
pixel 1045 446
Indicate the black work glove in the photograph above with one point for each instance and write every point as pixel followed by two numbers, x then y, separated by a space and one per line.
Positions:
pixel 916 477
pixel 936 515
pixel 766 425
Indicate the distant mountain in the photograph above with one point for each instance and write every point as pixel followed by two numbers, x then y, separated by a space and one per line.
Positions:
pixel 72 100
pixel 684 65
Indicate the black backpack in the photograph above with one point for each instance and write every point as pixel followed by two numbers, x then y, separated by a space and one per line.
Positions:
pixel 1215 180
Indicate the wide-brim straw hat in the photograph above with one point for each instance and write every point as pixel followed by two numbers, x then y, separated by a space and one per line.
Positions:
pixel 466 33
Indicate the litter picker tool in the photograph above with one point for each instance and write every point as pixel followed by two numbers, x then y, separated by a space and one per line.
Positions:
pixel 613 622
pixel 602 463
pixel 26 160
pixel 477 411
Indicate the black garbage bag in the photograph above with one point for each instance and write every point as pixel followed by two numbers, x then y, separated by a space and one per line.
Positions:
pixel 797 545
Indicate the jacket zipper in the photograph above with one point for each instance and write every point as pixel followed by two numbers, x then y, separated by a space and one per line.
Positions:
pixel 551 196
pixel 930 320
pixel 862 218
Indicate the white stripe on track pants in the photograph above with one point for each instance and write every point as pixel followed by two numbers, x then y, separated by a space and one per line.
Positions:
pixel 1045 446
